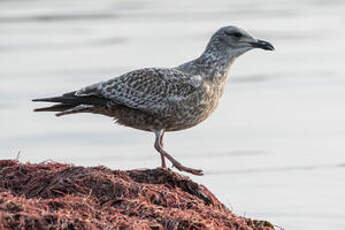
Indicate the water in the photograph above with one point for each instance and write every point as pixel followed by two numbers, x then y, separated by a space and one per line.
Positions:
pixel 274 149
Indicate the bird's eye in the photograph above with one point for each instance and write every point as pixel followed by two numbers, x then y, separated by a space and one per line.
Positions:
pixel 234 34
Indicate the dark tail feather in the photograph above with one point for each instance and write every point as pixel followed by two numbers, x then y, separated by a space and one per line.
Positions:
pixel 71 99
pixel 55 108
pixel 69 103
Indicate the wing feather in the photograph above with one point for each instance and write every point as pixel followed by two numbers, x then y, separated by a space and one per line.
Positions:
pixel 151 90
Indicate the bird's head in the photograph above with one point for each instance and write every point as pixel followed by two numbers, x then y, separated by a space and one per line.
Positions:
pixel 237 41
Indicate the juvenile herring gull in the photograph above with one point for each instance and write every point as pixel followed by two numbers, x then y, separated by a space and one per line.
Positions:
pixel 164 99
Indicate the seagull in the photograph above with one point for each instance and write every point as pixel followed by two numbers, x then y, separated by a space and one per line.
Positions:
pixel 160 100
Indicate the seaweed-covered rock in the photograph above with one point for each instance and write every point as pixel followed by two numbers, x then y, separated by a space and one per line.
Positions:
pixel 61 196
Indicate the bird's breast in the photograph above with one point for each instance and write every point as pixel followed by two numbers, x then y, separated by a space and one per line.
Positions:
pixel 194 109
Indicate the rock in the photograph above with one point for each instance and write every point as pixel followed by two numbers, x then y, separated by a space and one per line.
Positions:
pixel 60 196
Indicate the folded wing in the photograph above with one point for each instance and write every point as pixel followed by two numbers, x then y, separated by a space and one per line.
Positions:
pixel 150 90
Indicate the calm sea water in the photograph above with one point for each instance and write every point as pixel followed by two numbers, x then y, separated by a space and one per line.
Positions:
pixel 274 149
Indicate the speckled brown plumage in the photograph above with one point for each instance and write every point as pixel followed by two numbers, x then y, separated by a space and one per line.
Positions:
pixel 164 99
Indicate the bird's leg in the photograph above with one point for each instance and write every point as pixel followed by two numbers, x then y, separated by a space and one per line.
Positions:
pixel 158 145
pixel 178 165
pixel 161 139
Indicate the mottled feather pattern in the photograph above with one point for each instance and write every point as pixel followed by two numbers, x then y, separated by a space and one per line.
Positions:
pixel 151 90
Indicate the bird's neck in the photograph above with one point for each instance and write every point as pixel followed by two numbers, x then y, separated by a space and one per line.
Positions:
pixel 213 64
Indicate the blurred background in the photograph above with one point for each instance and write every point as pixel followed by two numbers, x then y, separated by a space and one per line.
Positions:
pixel 274 148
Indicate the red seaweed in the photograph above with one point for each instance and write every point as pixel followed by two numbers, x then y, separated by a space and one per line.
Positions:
pixel 61 196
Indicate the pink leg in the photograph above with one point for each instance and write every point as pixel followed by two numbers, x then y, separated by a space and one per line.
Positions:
pixel 178 165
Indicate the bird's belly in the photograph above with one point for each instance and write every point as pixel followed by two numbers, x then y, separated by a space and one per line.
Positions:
pixel 177 119
pixel 177 116
pixel 137 119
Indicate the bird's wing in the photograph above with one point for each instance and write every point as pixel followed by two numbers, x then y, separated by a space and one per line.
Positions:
pixel 151 90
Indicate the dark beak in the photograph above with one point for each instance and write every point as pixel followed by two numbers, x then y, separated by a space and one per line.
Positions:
pixel 262 44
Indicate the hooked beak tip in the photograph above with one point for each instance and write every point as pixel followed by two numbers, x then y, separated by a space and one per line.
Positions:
pixel 262 44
